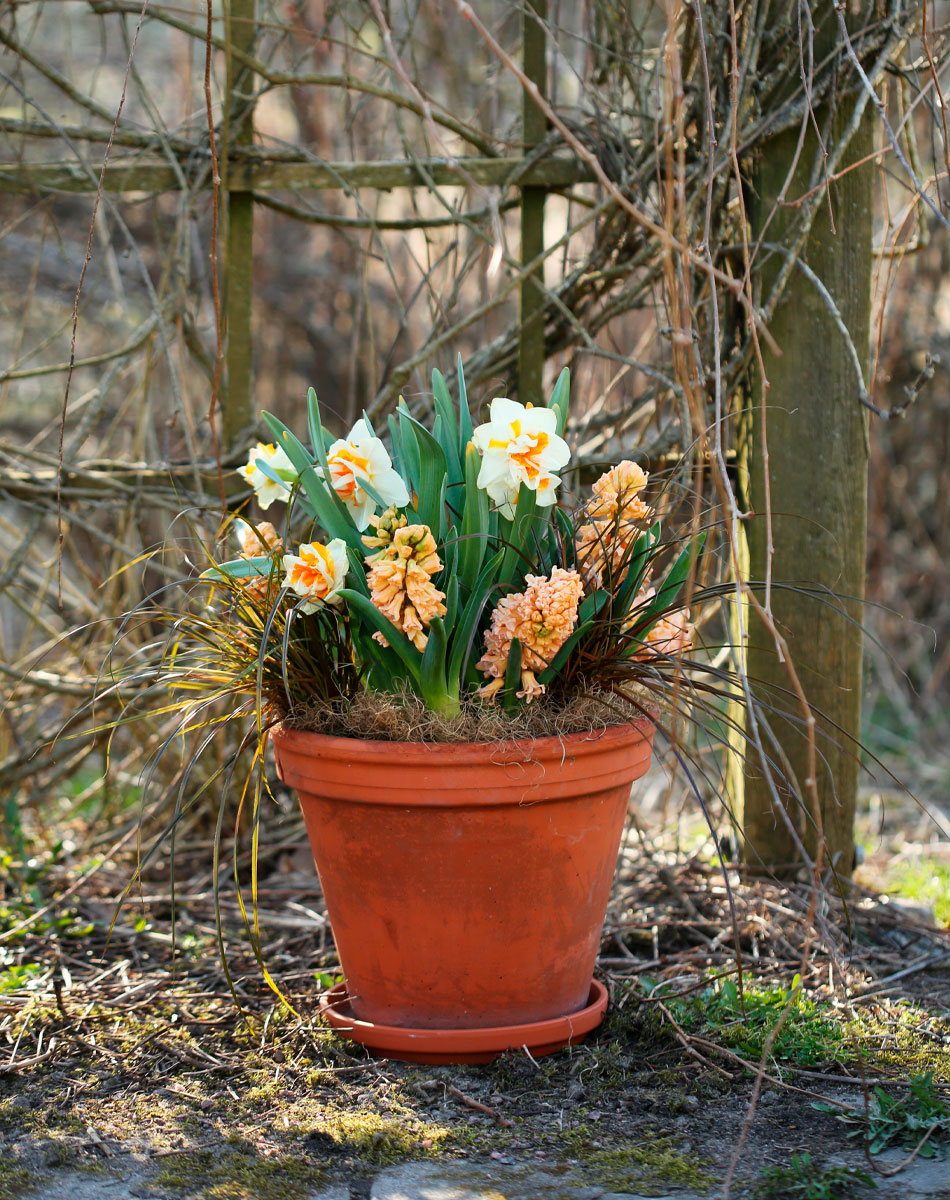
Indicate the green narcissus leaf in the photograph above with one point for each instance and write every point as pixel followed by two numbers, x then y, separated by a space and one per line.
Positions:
pixel 363 608
pixel 332 514
pixel 451 600
pixel 449 551
pixel 409 447
pixel 561 399
pixel 637 566
pixel 357 571
pixel 475 526
pixel 521 535
pixel 432 668
pixel 512 676
pixel 385 671
pixel 241 568
pixel 433 473
pixel 399 455
pixel 446 429
pixel 591 605
pixel 463 634
pixel 315 425
pixel 465 416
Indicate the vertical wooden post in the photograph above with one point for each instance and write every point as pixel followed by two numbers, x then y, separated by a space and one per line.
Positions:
pixel 239 253
pixel 817 437
pixel 531 332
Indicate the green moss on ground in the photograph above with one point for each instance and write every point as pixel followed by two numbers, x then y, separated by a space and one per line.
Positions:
pixel 17 1181
pixel 235 1175
pixel 653 1164
pixel 382 1140
pixel 906 1039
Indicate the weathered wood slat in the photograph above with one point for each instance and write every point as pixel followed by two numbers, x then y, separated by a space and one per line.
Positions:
pixel 134 175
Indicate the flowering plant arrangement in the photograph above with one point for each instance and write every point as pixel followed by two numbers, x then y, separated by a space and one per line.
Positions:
pixel 456 583
pixel 448 566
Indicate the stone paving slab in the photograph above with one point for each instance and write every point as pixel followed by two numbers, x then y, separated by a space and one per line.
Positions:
pixel 456 1181
pixel 923 1177
pixel 928 1178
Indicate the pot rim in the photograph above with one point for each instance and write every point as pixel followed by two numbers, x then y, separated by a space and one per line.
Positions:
pixel 542 748
pixel 482 1043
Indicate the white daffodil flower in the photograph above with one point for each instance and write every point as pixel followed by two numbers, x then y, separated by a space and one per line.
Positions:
pixel 361 457
pixel 267 489
pixel 317 573
pixel 519 445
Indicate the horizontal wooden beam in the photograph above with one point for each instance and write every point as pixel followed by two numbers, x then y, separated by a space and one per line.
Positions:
pixel 174 483
pixel 122 481
pixel 133 175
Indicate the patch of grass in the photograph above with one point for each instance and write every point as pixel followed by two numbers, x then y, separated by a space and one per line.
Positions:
pixel 920 1116
pixel 926 881
pixel 653 1163
pixel 804 1179
pixel 67 924
pixel 807 1037
pixel 239 1176
pixel 20 978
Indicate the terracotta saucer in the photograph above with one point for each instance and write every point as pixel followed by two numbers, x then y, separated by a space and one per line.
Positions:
pixel 439 1046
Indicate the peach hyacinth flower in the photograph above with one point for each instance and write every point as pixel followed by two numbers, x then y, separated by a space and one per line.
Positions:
pixel 256 541
pixel 542 618
pixel 384 528
pixel 617 515
pixel 401 584
pixel 671 636
pixel 317 573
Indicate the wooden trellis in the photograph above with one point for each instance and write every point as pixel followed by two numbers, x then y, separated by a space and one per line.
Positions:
pixel 243 176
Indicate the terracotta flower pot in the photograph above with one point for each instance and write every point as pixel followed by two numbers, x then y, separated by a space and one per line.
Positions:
pixel 466 884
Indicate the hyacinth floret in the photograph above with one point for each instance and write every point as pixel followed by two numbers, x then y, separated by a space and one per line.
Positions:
pixel 542 618
pixel 400 581
pixel 384 528
pixel 255 542
pixel 672 634
pixel 617 514
pixel 258 539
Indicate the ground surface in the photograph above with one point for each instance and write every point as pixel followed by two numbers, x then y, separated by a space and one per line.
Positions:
pixel 126 1069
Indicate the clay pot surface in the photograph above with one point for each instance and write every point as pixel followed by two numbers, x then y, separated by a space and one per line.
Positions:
pixel 466 884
